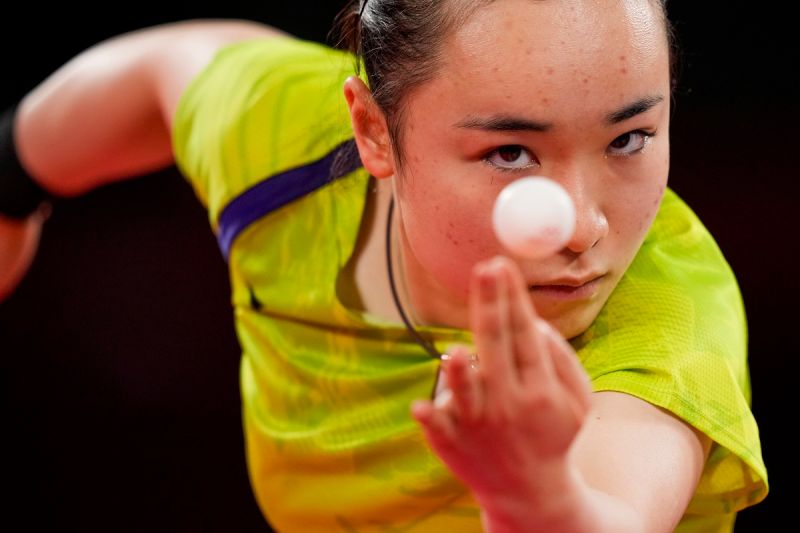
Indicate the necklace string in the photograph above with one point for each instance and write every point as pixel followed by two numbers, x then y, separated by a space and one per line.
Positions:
pixel 426 345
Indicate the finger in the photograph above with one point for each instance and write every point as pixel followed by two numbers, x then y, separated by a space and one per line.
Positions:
pixel 567 366
pixel 437 425
pixel 490 327
pixel 465 386
pixel 530 346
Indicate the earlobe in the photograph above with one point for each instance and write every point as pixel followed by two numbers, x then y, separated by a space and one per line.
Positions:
pixel 369 128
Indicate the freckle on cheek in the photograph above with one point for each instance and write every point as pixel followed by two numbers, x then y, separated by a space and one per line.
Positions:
pixel 644 222
pixel 451 238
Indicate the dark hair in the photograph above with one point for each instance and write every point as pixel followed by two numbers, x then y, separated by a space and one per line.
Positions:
pixel 399 43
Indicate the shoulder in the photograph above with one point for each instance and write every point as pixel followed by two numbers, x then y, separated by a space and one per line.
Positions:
pixel 258 109
pixel 181 50
pixel 674 334
pixel 279 89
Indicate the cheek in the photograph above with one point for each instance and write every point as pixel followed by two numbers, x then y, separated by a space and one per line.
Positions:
pixel 634 213
pixel 448 230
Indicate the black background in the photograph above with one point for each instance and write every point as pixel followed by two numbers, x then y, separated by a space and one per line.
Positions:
pixel 120 361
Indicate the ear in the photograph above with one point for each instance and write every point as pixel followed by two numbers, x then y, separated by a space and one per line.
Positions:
pixel 370 129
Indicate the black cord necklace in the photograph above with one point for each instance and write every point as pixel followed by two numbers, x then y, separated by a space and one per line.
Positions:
pixel 414 333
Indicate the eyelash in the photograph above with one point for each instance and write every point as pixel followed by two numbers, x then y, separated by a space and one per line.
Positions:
pixel 647 138
pixel 487 157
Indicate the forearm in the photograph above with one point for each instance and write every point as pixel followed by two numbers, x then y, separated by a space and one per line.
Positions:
pixel 19 240
pixel 571 507
pixel 106 115
pixel 93 121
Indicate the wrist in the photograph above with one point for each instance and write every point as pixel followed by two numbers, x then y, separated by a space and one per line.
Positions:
pixel 20 195
pixel 559 501
pixel 19 240
pixel 546 501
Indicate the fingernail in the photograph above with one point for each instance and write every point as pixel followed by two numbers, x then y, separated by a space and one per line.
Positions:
pixel 488 279
pixel 443 398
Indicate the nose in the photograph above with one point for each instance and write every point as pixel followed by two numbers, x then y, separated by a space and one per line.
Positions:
pixel 591 224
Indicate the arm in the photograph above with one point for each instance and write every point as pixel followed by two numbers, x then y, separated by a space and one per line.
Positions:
pixel 18 242
pixel 105 116
pixel 538 449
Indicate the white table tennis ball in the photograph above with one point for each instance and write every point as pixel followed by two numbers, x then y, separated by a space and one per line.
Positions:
pixel 534 217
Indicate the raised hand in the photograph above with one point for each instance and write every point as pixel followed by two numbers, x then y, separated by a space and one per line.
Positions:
pixel 505 426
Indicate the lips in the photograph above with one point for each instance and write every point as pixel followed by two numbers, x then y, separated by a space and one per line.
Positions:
pixel 569 288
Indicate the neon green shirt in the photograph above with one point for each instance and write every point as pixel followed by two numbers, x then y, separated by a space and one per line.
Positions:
pixel 263 135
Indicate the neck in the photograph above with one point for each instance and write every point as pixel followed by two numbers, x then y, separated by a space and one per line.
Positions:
pixel 418 297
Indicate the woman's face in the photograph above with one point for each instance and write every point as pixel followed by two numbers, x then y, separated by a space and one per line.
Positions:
pixel 572 90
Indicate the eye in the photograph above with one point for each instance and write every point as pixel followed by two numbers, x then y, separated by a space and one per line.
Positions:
pixel 630 143
pixel 511 157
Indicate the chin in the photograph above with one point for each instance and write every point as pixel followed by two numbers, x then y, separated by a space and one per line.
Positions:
pixel 569 330
pixel 574 324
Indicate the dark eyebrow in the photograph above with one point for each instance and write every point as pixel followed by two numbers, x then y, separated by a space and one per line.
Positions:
pixel 638 107
pixel 503 123
pixel 511 123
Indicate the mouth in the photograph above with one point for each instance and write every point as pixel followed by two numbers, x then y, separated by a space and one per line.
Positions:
pixel 569 289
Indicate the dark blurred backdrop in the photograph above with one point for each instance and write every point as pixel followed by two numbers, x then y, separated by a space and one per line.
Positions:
pixel 120 361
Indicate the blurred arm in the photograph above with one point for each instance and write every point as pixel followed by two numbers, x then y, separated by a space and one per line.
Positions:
pixel 106 115
pixel 19 240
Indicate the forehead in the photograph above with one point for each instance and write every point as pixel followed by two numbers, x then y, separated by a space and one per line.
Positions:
pixel 557 50
pixel 579 28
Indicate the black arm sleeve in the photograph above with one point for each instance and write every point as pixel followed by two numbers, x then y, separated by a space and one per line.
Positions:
pixel 20 195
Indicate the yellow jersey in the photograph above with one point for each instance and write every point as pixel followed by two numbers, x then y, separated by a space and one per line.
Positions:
pixel 264 137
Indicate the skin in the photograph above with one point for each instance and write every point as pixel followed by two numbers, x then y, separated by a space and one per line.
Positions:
pixel 607 461
pixel 582 92
pixel 19 240
pixel 121 95
pixel 570 77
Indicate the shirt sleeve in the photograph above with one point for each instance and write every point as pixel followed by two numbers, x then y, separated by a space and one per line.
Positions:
pixel 674 333
pixel 260 108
